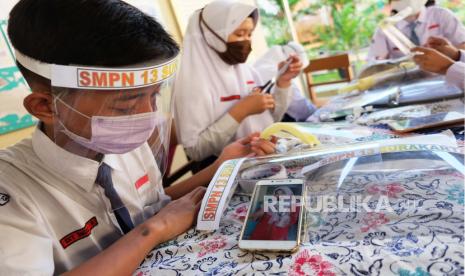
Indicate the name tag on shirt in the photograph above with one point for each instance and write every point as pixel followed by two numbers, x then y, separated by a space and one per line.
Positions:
pixel 142 181
pixel 434 26
pixel 79 234
pixel 230 98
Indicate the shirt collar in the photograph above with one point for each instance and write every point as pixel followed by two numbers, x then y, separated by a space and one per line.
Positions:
pixel 80 170
pixel 421 19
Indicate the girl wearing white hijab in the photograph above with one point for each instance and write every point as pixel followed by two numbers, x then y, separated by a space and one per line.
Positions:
pixel 215 99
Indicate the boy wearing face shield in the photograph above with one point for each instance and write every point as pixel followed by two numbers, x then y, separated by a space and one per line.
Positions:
pixel 84 195
pixel 217 99
pixel 423 23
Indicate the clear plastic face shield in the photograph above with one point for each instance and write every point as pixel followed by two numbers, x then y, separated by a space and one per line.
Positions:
pixel 111 111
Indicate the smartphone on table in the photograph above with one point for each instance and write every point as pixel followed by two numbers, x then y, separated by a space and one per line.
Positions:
pixel 274 218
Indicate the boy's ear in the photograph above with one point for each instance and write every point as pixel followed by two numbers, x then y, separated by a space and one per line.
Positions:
pixel 40 105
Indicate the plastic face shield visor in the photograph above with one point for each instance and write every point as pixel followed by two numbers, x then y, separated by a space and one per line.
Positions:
pixel 111 111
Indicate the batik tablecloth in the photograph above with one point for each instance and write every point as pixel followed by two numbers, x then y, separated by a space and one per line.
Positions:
pixel 426 239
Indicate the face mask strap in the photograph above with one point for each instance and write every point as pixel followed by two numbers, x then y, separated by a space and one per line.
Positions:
pixel 201 20
pixel 69 107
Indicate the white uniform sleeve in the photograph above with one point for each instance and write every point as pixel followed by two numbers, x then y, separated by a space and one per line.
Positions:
pixel 454 30
pixel 456 75
pixel 213 139
pixel 25 247
pixel 300 107
pixel 379 48
pixel 282 98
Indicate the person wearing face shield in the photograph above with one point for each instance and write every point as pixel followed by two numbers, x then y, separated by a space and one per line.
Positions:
pixel 424 22
pixel 84 194
pixel 217 96
pixel 300 107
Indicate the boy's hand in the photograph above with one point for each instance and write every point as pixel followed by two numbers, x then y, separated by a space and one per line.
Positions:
pixel 179 215
pixel 249 146
pixel 255 103
pixel 284 81
pixel 444 46
pixel 432 61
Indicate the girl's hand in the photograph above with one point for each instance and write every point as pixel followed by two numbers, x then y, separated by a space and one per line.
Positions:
pixel 255 103
pixel 284 81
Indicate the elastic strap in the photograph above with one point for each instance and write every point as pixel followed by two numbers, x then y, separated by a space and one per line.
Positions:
pixel 201 20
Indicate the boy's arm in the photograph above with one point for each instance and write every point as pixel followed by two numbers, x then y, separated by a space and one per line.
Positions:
pixel 124 256
pixel 27 248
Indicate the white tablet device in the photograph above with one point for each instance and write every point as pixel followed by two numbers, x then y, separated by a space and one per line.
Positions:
pixel 274 218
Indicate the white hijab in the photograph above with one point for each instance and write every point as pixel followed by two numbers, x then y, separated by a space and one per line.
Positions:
pixel 204 78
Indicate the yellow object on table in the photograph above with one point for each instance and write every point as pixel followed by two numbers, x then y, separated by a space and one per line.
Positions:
pixel 287 130
pixel 368 82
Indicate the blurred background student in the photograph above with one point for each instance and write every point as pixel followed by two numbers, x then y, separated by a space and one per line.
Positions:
pixel 423 23
pixel 300 107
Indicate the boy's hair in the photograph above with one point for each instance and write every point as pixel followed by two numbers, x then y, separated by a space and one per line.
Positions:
pixel 86 32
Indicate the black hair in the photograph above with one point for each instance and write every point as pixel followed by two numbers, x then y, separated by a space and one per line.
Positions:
pixel 86 32
pixel 430 3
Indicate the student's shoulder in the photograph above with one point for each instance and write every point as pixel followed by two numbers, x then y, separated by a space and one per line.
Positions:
pixel 10 158
pixel 20 152
pixel 437 11
pixel 13 192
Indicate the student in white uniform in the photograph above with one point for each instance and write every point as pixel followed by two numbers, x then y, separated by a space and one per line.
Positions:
pixel 84 194
pixel 300 107
pixel 215 98
pixel 422 24
pixel 443 58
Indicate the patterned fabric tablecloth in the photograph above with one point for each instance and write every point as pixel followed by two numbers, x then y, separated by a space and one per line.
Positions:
pixel 412 241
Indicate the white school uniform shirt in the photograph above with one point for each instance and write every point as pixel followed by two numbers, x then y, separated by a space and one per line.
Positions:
pixel 53 216
pixel 432 21
pixel 455 75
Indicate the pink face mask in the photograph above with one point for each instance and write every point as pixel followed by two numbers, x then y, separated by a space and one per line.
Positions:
pixel 115 135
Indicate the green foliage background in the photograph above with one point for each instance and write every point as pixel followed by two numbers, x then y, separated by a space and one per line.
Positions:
pixel 354 23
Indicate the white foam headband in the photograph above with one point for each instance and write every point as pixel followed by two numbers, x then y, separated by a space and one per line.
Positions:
pixel 101 78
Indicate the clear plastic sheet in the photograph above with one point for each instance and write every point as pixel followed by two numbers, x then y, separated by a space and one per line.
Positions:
pixel 391 94
pixel 411 111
